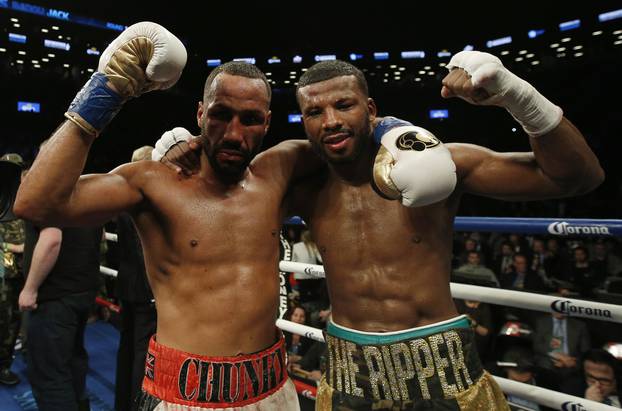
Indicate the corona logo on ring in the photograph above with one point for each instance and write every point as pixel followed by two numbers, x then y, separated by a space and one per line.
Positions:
pixel 313 272
pixel 573 406
pixel 567 307
pixel 564 228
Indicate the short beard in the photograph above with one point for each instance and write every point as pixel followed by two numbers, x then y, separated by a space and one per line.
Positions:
pixel 228 173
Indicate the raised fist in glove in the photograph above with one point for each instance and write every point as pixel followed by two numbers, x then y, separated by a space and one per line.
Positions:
pixel 481 79
pixel 144 57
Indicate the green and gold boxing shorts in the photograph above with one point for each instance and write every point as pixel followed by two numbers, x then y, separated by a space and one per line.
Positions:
pixel 428 368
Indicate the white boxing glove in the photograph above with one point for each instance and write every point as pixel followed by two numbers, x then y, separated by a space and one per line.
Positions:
pixel 412 164
pixel 168 140
pixel 531 109
pixel 144 57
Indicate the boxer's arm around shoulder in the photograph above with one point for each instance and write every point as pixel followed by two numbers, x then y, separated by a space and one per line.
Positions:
pixel 289 160
pixel 53 191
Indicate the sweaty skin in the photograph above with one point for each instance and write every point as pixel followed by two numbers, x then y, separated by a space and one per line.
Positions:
pixel 210 244
pixel 388 266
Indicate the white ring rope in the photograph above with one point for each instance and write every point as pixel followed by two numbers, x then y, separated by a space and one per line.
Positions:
pixel 300 329
pixel 108 271
pixel 112 237
pixel 540 395
pixel 519 299
pixel 550 398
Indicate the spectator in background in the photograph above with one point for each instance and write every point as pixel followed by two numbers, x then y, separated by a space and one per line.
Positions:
pixel 583 276
pixel 521 277
pixel 503 263
pixel 11 282
pixel 138 312
pixel 474 270
pixel 556 262
pixel 63 278
pixel 296 345
pixel 481 320
pixel 313 292
pixel 469 245
pixel 518 243
pixel 518 365
pixel 604 260
pixel 600 380
pixel 559 341
pixel 312 364
pixel 538 255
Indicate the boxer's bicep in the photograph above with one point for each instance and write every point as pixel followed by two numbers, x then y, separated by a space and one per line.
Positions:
pixel 97 198
pixel 503 176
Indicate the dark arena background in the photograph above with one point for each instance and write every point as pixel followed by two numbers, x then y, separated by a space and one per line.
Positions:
pixel 570 51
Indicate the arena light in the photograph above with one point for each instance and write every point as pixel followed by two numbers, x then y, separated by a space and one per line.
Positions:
pixel 213 62
pixel 439 114
pixel 414 54
pixel 28 107
pixel 249 60
pixel 355 56
pixel 381 55
pixel 92 51
pixel 17 38
pixel 532 34
pixel 325 57
pixel 570 25
pixel 54 44
pixel 443 53
pixel 274 60
pixel 294 118
pixel 297 59
pixel 468 47
pixel 610 15
pixel 499 42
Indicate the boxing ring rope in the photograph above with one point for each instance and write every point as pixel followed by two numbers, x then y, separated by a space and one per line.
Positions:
pixel 108 271
pixel 111 237
pixel 519 299
pixel 550 226
pixel 550 398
